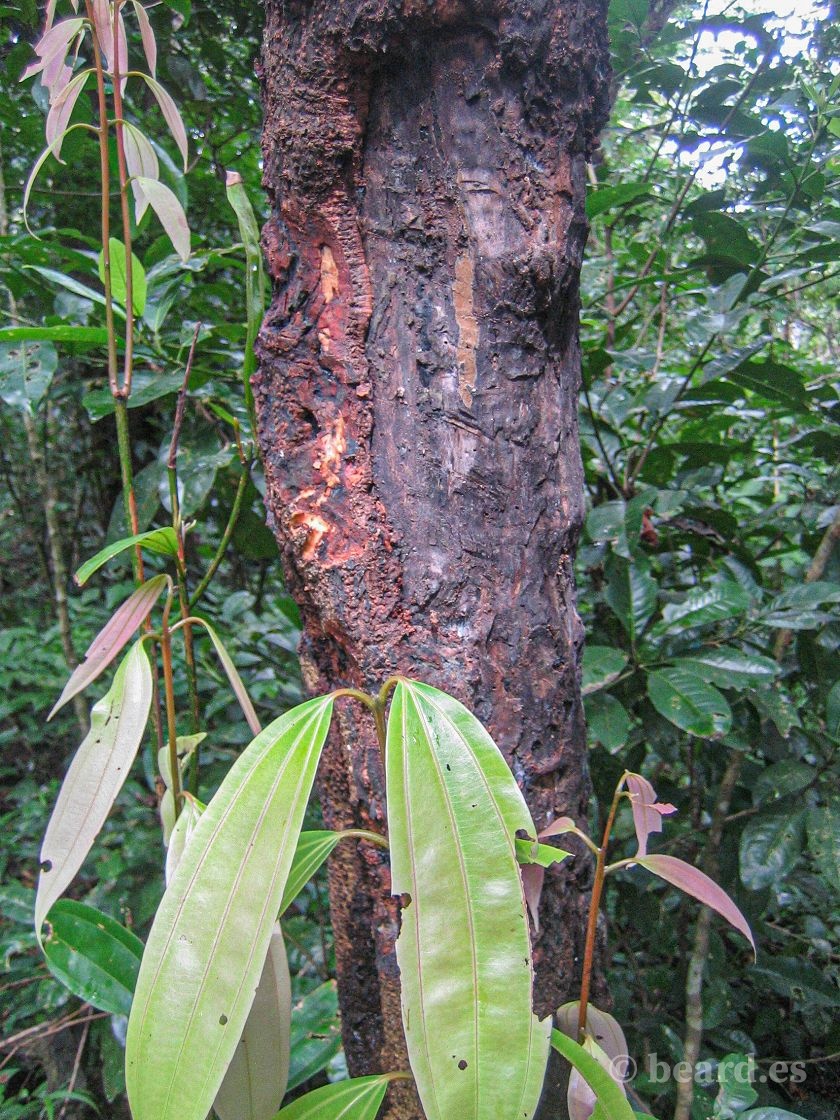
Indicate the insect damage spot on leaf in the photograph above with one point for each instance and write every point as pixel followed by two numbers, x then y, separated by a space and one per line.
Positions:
pixel 462 1064
pixel 223 1020
pixel 46 866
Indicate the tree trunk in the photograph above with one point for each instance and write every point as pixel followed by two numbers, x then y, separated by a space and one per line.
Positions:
pixel 417 395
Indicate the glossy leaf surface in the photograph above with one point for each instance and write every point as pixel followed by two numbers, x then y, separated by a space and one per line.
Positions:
pixel 95 957
pixel 210 937
pixel 96 775
pixel 477 1051
pixel 256 1079
pixel 114 635
pixel 689 702
pixel 770 846
pixel 360 1098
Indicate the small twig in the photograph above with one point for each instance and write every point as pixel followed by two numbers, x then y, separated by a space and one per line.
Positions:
pixel 76 1064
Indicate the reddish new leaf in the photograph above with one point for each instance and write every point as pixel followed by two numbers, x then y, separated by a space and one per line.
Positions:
pixel 170 213
pixel 557 828
pixel 170 114
pixel 112 637
pixel 694 882
pixel 61 111
pixel 104 31
pixel 142 162
pixel 647 811
pixel 533 878
pixel 147 35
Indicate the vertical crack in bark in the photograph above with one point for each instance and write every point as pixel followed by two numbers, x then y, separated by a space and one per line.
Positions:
pixel 417 394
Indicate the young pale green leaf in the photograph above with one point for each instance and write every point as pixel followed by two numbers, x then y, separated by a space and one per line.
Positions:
pixel 601 666
pixel 233 676
pixel 119 289
pixel 476 1049
pixel 96 776
pixel 177 833
pixel 210 937
pixel 67 332
pixel 689 702
pixel 357 1099
pixel 312 850
pixel 770 847
pixel 95 957
pixel 256 1079
pixel 735 1075
pixel 116 633
pixel 696 883
pixel 170 213
pixel 824 840
pixel 75 287
pixel 160 541
pixel 609 1094
pixel 543 855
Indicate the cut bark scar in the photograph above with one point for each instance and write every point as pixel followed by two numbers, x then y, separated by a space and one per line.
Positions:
pixel 329 274
pixel 334 445
pixel 467 327
pixel 316 527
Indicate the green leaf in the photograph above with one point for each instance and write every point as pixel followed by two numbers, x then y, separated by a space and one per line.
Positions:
pixel 357 1099
pixel 608 721
pixel 770 846
pixel 610 198
pixel 806 597
pixel 704 605
pixel 476 1049
pixel 769 1114
pixel 256 1079
pixel 795 978
pixel 543 855
pixel 119 285
pixel 95 957
pixel 729 667
pixel 182 7
pixel 824 840
pixel 832 712
pixel 735 1075
pixel 74 286
pixel 610 1096
pixel 96 775
pixel 316 1035
pixel 210 938
pixel 233 676
pixel 601 666
pixel 631 593
pixel 161 541
pixel 312 850
pixel 689 702
pixel 82 336
pixel 145 388
pixel 26 372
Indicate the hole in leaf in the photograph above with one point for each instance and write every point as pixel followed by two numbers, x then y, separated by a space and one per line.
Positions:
pixel 46 866
pixel 223 1020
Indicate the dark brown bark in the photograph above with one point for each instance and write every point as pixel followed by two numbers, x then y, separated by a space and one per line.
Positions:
pixel 417 395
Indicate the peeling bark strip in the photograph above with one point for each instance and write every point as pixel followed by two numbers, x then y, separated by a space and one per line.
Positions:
pixel 417 393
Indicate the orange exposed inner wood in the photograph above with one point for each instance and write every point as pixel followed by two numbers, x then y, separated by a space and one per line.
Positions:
pixel 329 274
pixel 467 327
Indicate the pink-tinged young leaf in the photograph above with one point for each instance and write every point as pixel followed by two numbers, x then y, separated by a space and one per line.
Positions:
pixel 235 680
pixel 61 110
pixel 142 162
pixel 170 115
pixel 147 35
pixel 647 811
pixel 533 878
pixel 557 828
pixel 580 1098
pixel 50 13
pixel 54 44
pixel 56 76
pixel 256 1079
pixel 170 213
pixel 694 882
pixel 104 31
pixel 96 775
pixel 119 629
pixel 600 1026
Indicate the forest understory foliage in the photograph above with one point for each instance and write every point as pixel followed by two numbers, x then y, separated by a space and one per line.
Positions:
pixel 708 582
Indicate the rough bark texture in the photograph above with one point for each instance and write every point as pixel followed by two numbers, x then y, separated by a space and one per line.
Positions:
pixel 417 395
